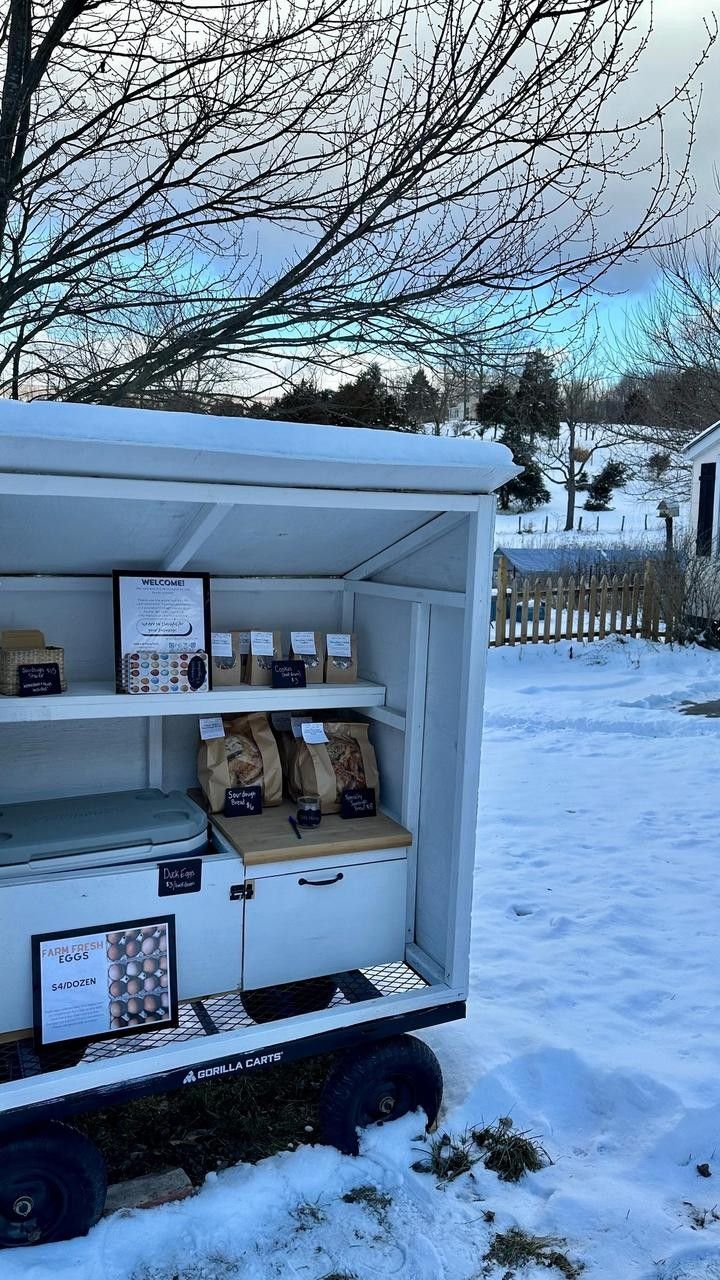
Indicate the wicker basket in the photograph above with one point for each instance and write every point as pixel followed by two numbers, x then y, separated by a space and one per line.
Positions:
pixel 11 659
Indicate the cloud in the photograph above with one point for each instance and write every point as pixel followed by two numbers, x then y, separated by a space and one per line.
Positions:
pixel 679 35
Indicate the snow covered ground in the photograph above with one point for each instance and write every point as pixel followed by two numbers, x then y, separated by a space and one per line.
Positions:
pixel 593 1018
pixel 633 516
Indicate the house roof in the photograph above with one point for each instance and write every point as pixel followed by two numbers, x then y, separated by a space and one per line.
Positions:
pixel 705 440
pixel 571 558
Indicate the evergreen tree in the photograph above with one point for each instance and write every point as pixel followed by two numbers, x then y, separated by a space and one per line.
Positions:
pixel 421 400
pixel 365 402
pixel 636 408
pixel 537 402
pixel 526 491
pixel 601 486
pixel 305 402
pixel 496 406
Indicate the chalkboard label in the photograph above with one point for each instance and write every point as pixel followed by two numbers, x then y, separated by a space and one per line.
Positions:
pixel 241 801
pixel 37 678
pixel 358 802
pixel 197 673
pixel 182 875
pixel 288 674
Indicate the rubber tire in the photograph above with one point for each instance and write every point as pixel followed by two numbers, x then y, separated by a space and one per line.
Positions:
pixel 362 1082
pixel 268 1004
pixel 61 1163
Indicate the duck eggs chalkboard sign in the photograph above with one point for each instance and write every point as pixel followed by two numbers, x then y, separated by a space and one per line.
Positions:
pixel 242 801
pixel 288 673
pixel 38 678
pixel 358 802
pixel 181 875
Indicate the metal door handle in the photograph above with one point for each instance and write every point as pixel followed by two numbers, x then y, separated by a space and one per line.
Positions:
pixel 334 880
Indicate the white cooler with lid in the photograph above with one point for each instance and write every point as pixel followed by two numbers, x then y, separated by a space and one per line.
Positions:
pixel 81 861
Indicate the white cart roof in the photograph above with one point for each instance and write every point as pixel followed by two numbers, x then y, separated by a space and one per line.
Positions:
pixel 86 488
pixel 81 439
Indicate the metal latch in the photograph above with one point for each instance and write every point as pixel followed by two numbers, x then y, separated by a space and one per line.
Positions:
pixel 242 892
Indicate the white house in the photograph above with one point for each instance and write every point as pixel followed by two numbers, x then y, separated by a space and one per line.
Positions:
pixel 459 412
pixel 704 453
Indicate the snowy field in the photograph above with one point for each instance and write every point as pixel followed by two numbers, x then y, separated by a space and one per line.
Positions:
pixel 594 1018
pixel 633 515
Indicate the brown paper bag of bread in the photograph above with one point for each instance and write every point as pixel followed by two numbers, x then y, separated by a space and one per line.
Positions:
pixel 246 757
pixel 326 769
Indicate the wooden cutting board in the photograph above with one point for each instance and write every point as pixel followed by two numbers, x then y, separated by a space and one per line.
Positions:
pixel 268 837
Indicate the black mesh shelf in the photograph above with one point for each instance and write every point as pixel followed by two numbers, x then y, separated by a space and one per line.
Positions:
pixel 202 1019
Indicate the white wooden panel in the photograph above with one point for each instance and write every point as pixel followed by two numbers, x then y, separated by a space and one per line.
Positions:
pixel 437 794
pixel 71 758
pixel 207 964
pixel 295 931
pixel 389 745
pixel 181 739
pixel 266 609
pixel 440 565
pixel 414 738
pixel 470 724
pixel 95 535
pixel 97 701
pixel 80 617
pixel 435 528
pixel 383 636
pixel 290 541
pixel 81 621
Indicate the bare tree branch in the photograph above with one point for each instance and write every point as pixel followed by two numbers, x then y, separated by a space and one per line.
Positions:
pixel 305 175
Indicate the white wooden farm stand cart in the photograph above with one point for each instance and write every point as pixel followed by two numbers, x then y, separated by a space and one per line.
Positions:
pixel 345 941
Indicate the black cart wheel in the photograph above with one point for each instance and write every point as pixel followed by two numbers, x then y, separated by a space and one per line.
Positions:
pixel 378 1083
pixel 267 1004
pixel 53 1184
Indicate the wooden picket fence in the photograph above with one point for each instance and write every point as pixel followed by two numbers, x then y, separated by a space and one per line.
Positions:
pixel 538 611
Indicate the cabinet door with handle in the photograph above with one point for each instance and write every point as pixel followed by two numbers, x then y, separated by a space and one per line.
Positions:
pixel 307 923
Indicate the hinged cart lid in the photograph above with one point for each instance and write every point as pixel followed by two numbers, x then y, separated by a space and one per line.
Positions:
pixel 88 824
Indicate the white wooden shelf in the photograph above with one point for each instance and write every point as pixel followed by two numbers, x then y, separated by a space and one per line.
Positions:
pixel 94 700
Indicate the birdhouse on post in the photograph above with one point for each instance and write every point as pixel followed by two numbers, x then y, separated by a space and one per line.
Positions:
pixel 667 511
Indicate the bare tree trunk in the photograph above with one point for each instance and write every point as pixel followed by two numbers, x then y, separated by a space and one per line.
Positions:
pixel 571 480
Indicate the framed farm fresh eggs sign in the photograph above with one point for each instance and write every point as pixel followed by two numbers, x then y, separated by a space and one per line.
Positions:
pixel 109 980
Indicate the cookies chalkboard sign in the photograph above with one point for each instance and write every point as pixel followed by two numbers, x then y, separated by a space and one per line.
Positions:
pixel 358 802
pixel 289 673
pixel 242 801
pixel 36 679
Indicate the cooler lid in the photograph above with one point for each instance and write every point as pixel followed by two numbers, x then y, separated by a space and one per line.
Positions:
pixel 88 824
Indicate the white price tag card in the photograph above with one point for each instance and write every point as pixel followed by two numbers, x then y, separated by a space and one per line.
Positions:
pixel 313 732
pixel 243 642
pixel 303 641
pixel 296 724
pixel 339 645
pixel 211 727
pixel 261 644
pixel 222 644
